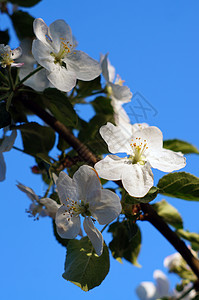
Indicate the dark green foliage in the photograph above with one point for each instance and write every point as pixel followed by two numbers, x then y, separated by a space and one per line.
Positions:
pixel 180 146
pixel 83 266
pixel 180 185
pixel 126 241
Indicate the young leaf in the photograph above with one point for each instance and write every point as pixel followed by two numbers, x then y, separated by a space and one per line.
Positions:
pixel 126 241
pixel 103 105
pixel 23 24
pixel 151 195
pixel 169 213
pixel 180 146
pixel 36 138
pixel 83 267
pixel 189 236
pixel 25 3
pixel 180 185
pixel 60 106
pixel 5 118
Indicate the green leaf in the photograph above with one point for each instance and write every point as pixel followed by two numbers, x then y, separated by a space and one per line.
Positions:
pixel 25 3
pixel 168 213
pixel 180 185
pixel 4 37
pixel 5 118
pixel 90 134
pixel 37 139
pixel 60 107
pixel 86 88
pixel 189 236
pixel 151 195
pixel 126 241
pixel 180 146
pixel 102 105
pixel 83 267
pixel 23 24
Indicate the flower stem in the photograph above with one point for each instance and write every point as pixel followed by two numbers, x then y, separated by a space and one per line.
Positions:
pixel 3 77
pixel 48 189
pixel 10 78
pixel 104 228
pixel 185 293
pixel 29 75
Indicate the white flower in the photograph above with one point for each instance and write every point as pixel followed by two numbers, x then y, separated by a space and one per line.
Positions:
pixel 173 261
pixel 144 150
pixel 118 93
pixel 54 50
pixel 6 145
pixel 38 81
pixel 7 56
pixel 149 291
pixel 83 195
pixel 39 207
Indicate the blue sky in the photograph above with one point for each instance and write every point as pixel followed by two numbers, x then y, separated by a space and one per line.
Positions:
pixel 154 46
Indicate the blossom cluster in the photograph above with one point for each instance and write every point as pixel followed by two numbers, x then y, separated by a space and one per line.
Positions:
pixel 60 64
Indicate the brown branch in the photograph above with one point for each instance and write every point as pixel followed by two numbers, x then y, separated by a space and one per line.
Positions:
pixel 152 217
pixel 89 157
pixel 64 132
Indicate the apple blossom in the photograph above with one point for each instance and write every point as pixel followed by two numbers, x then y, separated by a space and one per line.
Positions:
pixel 7 56
pixel 147 290
pixel 84 195
pixel 6 145
pixel 173 261
pixel 39 206
pixel 54 50
pixel 39 80
pixel 118 93
pixel 144 149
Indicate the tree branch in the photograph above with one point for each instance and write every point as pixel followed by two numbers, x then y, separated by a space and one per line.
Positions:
pixel 152 217
pixel 64 132
pixel 89 157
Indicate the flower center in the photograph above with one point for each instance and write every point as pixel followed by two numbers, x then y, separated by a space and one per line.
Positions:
pixel 139 148
pixel 65 48
pixel 6 59
pixel 75 208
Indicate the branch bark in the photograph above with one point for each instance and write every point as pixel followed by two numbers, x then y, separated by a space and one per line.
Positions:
pixel 152 217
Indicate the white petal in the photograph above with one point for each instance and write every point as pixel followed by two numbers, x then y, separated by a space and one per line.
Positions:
pixel 41 53
pixel 88 184
pixel 162 283
pixel 60 31
pixel 85 67
pixel 146 291
pixel 66 188
pixel 28 191
pixel 2 168
pixel 107 209
pixel 67 227
pixel 16 53
pixel 137 180
pixel 111 167
pixel 40 29
pixel 153 137
pixel 51 206
pixel 121 93
pixel 173 261
pixel 62 79
pixel 166 160
pixel 108 70
pixel 8 142
pixel 115 139
pixel 94 235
